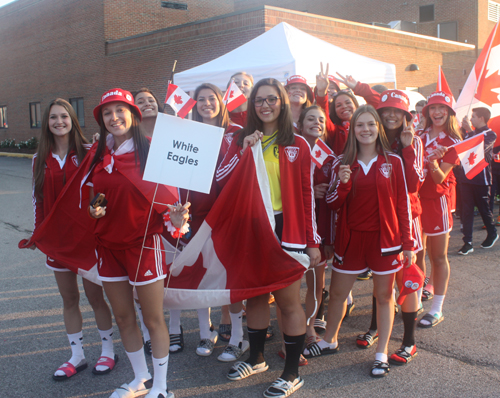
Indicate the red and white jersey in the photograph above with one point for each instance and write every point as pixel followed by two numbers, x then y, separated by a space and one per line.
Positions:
pixel 394 206
pixel 57 173
pixel 430 189
pixel 239 118
pixel 296 182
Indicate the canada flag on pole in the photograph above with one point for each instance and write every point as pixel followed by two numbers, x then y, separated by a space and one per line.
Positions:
pixel 471 155
pixel 179 100
pixel 482 88
pixel 442 85
pixel 233 97
pixel 320 152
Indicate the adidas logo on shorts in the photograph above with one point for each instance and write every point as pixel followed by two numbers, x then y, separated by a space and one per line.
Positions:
pixel 148 273
pixel 437 228
pixel 395 262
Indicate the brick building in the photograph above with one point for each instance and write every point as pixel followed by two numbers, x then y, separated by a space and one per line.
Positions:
pixel 77 49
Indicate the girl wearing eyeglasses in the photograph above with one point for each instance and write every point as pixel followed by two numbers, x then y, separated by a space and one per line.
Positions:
pixel 288 165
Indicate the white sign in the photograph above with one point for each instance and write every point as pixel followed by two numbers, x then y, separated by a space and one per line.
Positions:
pixel 183 153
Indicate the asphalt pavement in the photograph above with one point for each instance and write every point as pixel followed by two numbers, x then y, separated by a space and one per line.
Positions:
pixel 458 358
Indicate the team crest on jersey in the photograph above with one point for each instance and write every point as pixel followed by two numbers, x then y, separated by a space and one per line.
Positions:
pixel 74 159
pixel 386 170
pixel 228 138
pixel 327 168
pixel 291 153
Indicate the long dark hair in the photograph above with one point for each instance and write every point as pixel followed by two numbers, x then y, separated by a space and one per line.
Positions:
pixel 286 132
pixel 141 143
pixel 223 116
pixel 333 112
pixel 76 141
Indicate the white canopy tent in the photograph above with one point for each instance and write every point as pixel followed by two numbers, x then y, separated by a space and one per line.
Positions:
pixel 282 52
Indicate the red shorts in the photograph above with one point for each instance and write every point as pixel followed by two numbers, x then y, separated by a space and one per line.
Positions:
pixel 363 253
pixel 417 233
pixel 121 265
pixel 55 265
pixel 436 216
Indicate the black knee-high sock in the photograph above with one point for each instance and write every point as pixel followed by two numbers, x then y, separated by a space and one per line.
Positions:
pixel 321 308
pixel 293 347
pixel 257 340
pixel 373 325
pixel 409 322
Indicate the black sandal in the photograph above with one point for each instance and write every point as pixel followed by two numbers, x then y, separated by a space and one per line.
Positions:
pixel 380 365
pixel 224 331
pixel 178 340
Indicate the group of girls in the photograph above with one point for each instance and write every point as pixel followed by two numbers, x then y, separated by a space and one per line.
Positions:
pixel 375 151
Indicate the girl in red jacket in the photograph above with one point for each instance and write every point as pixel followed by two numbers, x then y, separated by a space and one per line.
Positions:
pixel 209 109
pixel 441 130
pixel 127 231
pixel 244 81
pixel 312 127
pixel 368 188
pixel 62 148
pixel 288 165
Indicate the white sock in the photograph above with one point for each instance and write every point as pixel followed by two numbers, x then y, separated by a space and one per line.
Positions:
pixel 236 328
pixel 140 367
pixel 204 323
pixel 349 298
pixel 107 347
pixel 160 367
pixel 77 354
pixel 380 356
pixel 145 331
pixel 419 296
pixel 437 304
pixel 174 325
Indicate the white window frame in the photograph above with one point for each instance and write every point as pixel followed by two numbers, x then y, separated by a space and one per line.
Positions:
pixel 493 11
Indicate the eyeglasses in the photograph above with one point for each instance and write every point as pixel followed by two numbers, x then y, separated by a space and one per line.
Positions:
pixel 270 101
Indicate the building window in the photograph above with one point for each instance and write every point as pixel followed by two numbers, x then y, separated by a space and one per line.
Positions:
pixel 35 115
pixel 77 104
pixel 3 117
pixel 427 13
pixel 448 31
pixel 493 11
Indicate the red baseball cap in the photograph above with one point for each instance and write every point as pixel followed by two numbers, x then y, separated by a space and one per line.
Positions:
pixel 117 94
pixel 295 79
pixel 395 99
pixel 440 98
pixel 413 279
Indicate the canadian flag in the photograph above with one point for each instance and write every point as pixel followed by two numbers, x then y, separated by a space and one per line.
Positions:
pixel 179 100
pixel 483 84
pixel 442 85
pixel 320 152
pixel 233 97
pixel 471 155
pixel 235 254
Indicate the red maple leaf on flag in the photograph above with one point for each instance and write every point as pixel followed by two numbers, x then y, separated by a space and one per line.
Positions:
pixel 178 99
pixel 231 94
pixel 472 158
pixel 317 153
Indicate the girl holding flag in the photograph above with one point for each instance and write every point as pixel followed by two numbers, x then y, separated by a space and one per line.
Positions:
pixel 244 81
pixel 372 230
pixel 288 166
pixel 61 150
pixel 209 109
pixel 127 231
pixel 441 130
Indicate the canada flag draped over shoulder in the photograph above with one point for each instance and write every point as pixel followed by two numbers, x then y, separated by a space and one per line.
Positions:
pixel 486 77
pixel 235 254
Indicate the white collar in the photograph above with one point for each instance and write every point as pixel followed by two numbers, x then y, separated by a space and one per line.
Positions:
pixel 61 162
pixel 366 167
pixel 126 147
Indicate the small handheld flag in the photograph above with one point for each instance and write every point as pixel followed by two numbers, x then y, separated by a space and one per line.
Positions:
pixel 179 100
pixel 233 97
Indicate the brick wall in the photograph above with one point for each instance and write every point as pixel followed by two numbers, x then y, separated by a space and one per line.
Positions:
pixel 124 18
